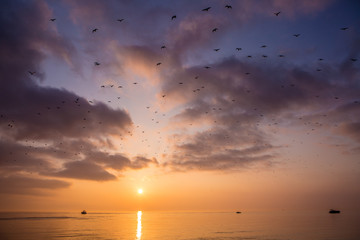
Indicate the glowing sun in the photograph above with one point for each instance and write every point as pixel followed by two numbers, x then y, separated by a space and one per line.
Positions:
pixel 140 191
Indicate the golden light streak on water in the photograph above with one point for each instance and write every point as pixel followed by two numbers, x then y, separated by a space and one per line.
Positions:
pixel 138 230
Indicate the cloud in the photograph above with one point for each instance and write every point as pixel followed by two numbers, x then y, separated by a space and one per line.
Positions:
pixel 93 165
pixel 229 111
pixel 29 185
pixel 45 129
pixel 84 170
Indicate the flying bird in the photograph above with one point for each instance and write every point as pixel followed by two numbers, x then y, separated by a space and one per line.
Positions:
pixel 320 59
pixel 96 63
pixel 173 17
pixel 52 19
pixel 206 9
pixel 277 13
pixel 94 30
pixel 31 73
pixel 214 30
pixel 228 6
pixel 344 28
pixel 216 49
pixel 296 35
pixel 353 59
pixel 238 48
pixel 263 46
pixel 207 67
pixel 162 47
pixel 281 55
pixel 158 64
pixel 120 20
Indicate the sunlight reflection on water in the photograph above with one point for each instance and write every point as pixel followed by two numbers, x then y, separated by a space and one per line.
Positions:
pixel 138 230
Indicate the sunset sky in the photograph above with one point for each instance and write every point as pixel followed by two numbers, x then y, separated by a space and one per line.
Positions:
pixel 205 107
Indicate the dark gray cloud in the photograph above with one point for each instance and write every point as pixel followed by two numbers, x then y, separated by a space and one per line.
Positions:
pixel 44 127
pixel 237 103
pixel 29 185
pixel 85 170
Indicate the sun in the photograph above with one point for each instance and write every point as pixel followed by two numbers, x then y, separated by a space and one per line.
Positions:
pixel 140 191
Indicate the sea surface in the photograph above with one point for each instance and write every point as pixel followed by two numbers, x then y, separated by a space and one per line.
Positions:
pixel 273 225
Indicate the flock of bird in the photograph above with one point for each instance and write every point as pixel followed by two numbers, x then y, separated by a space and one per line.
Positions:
pixel 158 64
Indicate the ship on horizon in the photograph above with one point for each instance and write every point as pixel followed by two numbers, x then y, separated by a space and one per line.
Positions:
pixel 334 211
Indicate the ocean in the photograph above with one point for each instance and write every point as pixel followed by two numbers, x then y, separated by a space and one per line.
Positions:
pixel 142 225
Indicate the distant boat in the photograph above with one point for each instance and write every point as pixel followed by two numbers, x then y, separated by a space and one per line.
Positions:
pixel 334 211
pixel 238 212
pixel 83 212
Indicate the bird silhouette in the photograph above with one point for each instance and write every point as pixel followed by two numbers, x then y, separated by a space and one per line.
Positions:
pixel 238 48
pixel 158 64
pixel 94 30
pixel 52 19
pixel 228 6
pixel 206 9
pixel 163 47
pixel 207 67
pixel 263 46
pixel 216 49
pixel 296 35
pixel 31 73
pixel 277 13
pixel 353 59
pixel 96 63
pixel 120 20
pixel 214 30
pixel 344 28
pixel 281 55
pixel 173 17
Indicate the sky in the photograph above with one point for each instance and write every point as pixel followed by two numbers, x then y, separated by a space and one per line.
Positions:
pixel 205 105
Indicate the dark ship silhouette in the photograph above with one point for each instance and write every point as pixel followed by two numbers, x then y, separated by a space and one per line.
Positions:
pixel 334 211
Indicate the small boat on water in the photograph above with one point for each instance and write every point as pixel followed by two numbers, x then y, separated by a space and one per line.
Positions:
pixel 334 211
pixel 83 212
pixel 238 212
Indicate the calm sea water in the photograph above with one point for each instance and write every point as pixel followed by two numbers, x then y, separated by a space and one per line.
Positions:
pixel 186 226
